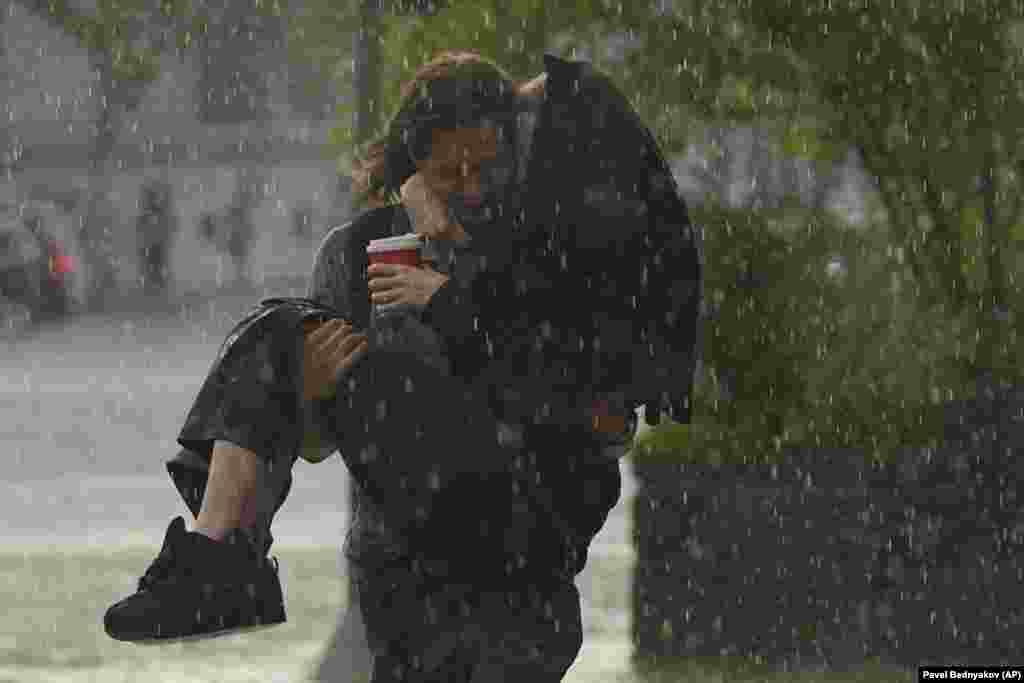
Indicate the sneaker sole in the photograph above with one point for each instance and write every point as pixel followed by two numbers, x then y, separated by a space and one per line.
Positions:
pixel 203 636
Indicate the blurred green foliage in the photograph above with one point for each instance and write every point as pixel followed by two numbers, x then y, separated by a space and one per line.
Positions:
pixel 929 95
pixel 798 353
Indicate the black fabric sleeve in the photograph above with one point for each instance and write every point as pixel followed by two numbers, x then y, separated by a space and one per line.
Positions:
pixel 634 219
pixel 454 312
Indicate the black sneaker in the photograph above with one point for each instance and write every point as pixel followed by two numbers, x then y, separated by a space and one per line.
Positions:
pixel 199 588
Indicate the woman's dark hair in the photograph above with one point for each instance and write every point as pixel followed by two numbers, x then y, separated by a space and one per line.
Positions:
pixel 455 88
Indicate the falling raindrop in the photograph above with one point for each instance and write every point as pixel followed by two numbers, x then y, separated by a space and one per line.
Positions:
pixel 368 454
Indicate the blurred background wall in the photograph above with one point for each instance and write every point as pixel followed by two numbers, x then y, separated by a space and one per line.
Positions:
pixel 178 133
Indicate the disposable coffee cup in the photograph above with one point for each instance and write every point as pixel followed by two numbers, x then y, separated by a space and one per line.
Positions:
pixel 401 250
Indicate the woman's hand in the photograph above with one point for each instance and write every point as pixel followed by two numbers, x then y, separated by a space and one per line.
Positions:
pixel 398 284
pixel 427 211
pixel 330 350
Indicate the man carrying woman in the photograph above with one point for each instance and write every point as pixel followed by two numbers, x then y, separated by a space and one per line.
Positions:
pixel 480 402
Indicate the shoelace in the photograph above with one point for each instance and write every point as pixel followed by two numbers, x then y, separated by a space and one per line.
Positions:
pixel 159 570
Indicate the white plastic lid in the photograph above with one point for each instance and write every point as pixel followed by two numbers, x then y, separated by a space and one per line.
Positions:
pixel 407 241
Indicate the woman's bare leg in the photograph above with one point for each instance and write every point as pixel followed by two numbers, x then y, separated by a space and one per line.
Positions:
pixel 230 498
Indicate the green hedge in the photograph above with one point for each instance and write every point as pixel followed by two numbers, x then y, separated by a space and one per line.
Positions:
pixel 797 357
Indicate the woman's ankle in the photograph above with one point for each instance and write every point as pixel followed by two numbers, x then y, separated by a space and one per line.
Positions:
pixel 212 533
pixel 231 487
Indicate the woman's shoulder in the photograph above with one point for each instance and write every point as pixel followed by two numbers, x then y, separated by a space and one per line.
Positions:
pixel 373 223
pixel 374 219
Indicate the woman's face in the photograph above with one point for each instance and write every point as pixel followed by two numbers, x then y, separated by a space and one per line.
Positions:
pixel 466 165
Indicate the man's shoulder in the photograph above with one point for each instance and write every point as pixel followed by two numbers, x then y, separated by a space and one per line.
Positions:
pixel 578 76
pixel 580 92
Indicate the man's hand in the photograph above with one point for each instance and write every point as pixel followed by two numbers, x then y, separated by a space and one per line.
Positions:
pixel 427 211
pixel 398 284
pixel 331 349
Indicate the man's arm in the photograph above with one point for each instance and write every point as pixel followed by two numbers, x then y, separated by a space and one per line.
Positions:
pixel 623 275
pixel 647 343
pixel 453 311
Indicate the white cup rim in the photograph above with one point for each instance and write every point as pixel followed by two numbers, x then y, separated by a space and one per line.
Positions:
pixel 397 243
